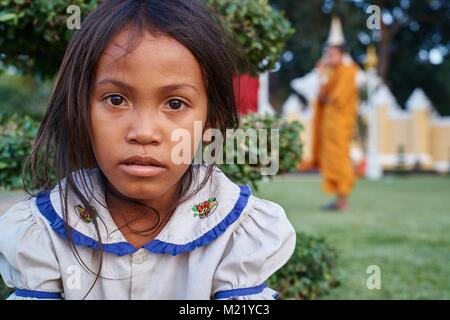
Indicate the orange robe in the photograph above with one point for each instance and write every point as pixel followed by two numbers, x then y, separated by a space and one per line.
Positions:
pixel 334 125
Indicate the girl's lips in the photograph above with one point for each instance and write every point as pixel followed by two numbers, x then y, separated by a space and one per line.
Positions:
pixel 142 171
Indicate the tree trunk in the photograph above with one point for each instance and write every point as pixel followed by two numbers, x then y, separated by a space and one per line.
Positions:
pixel 387 36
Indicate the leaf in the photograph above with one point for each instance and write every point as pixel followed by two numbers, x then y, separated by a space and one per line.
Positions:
pixel 7 16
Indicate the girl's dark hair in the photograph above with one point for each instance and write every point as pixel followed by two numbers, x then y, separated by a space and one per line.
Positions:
pixel 63 149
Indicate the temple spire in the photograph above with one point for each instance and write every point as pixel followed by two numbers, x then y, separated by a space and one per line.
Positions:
pixel 336 35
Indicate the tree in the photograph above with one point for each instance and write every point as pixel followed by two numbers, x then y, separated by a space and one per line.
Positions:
pixel 414 37
pixel 34 34
pixel 259 30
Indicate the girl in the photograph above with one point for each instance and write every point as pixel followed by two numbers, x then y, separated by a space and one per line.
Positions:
pixel 125 221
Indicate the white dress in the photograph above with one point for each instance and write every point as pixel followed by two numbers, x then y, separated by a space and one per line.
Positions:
pixel 228 252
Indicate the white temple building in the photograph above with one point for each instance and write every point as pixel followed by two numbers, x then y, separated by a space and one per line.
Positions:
pixel 414 137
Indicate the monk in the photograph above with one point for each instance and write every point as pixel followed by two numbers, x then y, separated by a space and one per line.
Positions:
pixel 334 125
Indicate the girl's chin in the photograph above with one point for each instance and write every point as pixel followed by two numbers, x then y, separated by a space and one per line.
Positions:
pixel 143 194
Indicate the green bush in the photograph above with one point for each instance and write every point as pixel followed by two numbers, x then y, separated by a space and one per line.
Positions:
pixel 309 273
pixel 23 95
pixel 4 290
pixel 31 27
pixel 260 30
pixel 290 148
pixel 17 134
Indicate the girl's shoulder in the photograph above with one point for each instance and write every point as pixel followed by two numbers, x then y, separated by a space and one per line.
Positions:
pixel 20 217
pixel 224 203
pixel 27 257
pixel 259 240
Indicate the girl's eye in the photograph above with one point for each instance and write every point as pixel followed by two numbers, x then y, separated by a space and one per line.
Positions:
pixel 175 104
pixel 116 100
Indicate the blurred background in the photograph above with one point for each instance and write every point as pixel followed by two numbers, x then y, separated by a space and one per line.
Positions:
pixel 393 241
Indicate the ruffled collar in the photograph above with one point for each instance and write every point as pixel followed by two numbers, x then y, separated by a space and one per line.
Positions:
pixel 195 223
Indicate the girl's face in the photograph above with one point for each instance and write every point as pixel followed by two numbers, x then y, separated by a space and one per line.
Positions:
pixel 139 99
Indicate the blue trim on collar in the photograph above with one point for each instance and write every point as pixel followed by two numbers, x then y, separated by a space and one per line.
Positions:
pixel 37 294
pixel 158 246
pixel 46 208
pixel 240 292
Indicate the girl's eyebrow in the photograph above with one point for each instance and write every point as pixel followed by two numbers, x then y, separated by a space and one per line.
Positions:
pixel 116 83
pixel 165 88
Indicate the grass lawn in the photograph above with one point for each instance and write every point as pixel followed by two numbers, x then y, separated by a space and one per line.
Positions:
pixel 401 224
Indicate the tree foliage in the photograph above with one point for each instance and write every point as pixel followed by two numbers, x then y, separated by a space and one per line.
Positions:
pixel 34 34
pixel 411 31
pixel 260 31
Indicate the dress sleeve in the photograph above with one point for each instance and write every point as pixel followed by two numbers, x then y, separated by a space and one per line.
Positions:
pixel 261 244
pixel 28 261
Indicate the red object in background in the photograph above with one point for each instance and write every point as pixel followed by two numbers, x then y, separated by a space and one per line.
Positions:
pixel 361 168
pixel 246 90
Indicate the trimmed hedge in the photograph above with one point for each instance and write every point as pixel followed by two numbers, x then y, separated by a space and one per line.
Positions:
pixel 4 290
pixel 290 148
pixel 16 139
pixel 309 274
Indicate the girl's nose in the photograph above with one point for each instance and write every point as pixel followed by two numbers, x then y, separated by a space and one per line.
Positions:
pixel 145 128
